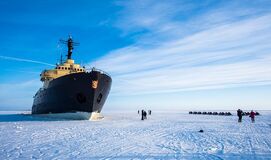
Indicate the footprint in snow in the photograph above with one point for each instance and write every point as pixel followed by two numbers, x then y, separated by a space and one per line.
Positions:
pixel 212 150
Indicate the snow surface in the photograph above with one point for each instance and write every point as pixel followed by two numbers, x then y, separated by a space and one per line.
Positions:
pixel 125 136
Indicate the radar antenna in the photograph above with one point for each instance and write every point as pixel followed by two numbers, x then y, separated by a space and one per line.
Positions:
pixel 70 44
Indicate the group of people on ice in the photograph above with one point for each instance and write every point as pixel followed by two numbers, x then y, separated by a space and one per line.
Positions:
pixel 251 115
pixel 144 114
pixel 240 114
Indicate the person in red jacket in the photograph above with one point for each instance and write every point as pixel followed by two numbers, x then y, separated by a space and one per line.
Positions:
pixel 252 116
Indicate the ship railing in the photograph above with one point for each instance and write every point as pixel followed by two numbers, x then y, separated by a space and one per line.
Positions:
pixel 98 70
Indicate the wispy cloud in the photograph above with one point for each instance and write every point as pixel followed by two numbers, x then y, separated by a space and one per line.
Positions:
pixel 24 60
pixel 18 95
pixel 149 21
pixel 229 53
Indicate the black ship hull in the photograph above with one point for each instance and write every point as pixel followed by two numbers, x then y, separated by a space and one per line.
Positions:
pixel 77 92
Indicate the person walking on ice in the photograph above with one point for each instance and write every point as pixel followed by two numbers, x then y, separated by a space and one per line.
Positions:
pixel 239 114
pixel 145 115
pixel 142 114
pixel 252 116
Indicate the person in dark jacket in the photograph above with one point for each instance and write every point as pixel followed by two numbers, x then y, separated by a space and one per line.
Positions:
pixel 252 116
pixel 145 115
pixel 239 114
pixel 142 115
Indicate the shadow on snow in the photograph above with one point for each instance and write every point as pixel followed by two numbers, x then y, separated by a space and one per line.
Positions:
pixel 26 117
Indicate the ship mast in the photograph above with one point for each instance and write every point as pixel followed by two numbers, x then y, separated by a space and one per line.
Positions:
pixel 61 60
pixel 70 44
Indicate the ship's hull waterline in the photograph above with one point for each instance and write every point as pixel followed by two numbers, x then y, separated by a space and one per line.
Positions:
pixel 73 116
pixel 84 92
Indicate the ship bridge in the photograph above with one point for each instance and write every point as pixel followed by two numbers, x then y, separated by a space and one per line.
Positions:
pixel 65 68
pixel 62 69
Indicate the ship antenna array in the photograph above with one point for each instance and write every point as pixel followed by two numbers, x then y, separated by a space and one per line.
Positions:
pixel 70 44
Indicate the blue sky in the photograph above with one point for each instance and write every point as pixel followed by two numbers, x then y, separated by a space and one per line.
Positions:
pixel 168 54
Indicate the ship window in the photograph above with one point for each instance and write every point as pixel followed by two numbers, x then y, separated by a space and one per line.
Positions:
pixel 65 68
pixel 69 68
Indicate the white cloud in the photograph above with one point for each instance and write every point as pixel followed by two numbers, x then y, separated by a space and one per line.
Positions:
pixel 25 60
pixel 154 21
pixel 233 54
pixel 18 95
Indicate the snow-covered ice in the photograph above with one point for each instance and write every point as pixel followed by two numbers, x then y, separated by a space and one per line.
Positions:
pixel 125 136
